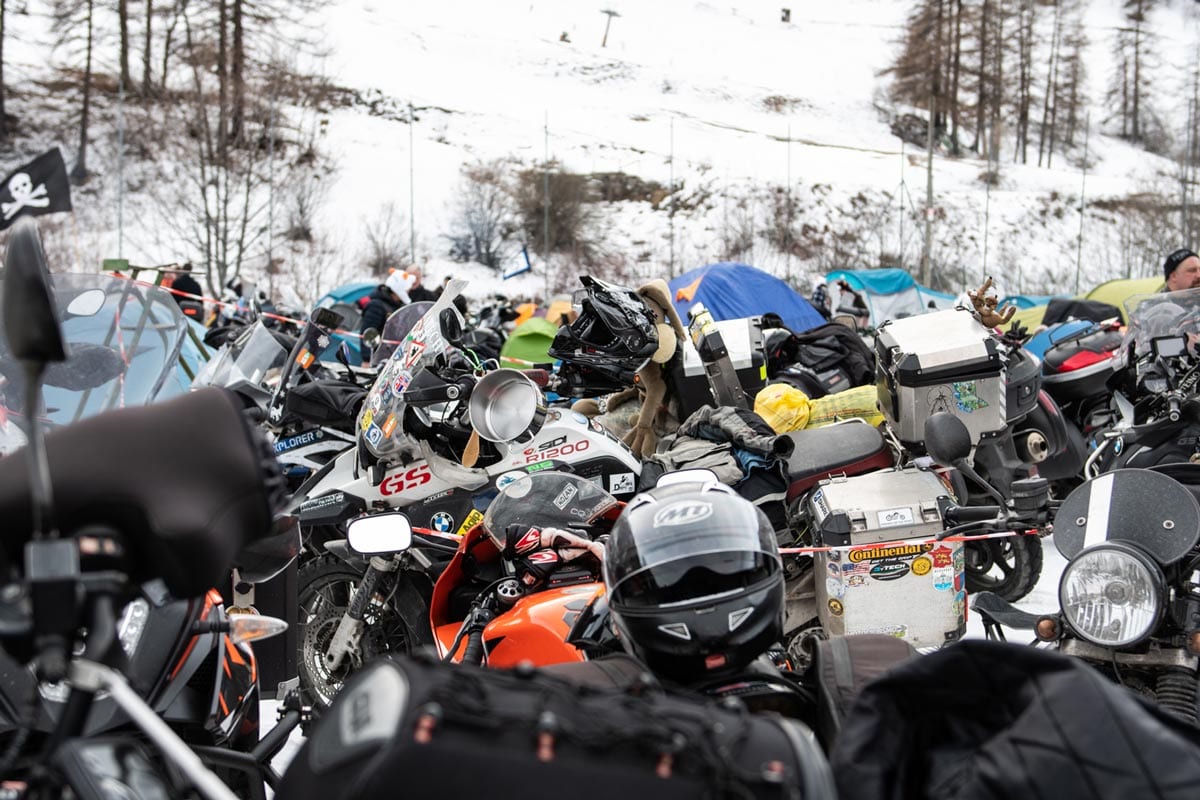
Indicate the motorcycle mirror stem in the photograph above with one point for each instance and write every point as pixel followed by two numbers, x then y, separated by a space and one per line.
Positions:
pixel 949 442
pixel 34 336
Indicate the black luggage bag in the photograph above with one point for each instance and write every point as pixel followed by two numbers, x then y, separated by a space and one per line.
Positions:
pixel 413 728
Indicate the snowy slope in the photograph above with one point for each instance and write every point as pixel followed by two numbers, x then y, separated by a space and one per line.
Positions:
pixel 720 100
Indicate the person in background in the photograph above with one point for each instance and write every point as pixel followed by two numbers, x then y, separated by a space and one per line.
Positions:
pixel 184 282
pixel 386 298
pixel 1181 270
pixel 418 292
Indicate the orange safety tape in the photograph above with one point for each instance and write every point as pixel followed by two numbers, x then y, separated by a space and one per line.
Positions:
pixel 790 551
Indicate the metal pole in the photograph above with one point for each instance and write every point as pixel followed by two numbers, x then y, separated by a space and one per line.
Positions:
pixel 987 208
pixel 120 166
pixel 412 202
pixel 671 191
pixel 787 234
pixel 902 191
pixel 271 189
pixel 926 265
pixel 1082 200
pixel 546 202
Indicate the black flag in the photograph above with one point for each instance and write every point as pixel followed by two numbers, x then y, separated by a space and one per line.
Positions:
pixel 39 187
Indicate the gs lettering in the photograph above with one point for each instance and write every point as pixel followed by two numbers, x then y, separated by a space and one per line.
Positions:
pixel 405 481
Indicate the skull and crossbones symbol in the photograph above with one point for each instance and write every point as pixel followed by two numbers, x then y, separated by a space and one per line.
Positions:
pixel 24 194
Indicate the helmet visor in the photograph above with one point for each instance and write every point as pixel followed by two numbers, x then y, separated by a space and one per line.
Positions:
pixel 694 578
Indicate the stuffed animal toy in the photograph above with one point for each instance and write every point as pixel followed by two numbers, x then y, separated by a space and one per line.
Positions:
pixel 651 385
pixel 985 306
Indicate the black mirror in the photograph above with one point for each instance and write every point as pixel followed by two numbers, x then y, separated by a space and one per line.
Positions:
pixel 371 337
pixel 450 325
pixel 30 316
pixel 327 318
pixel 947 438
pixel 1168 346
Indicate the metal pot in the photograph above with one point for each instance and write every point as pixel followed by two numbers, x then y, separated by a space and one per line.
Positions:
pixel 506 406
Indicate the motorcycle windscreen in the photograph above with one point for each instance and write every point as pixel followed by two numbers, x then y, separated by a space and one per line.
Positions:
pixel 1147 508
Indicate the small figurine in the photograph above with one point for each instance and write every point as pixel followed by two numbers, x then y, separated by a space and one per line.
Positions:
pixel 985 306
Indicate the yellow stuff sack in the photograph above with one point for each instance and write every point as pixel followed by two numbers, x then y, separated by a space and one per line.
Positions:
pixel 857 402
pixel 785 408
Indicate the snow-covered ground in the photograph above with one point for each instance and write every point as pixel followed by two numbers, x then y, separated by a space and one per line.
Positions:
pixel 717 100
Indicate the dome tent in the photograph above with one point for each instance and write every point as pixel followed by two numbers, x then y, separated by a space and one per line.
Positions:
pixel 734 291
pixel 888 293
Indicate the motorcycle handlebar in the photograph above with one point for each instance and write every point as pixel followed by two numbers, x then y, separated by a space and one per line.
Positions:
pixel 957 515
pixel 474 653
pixel 458 390
pixel 1173 412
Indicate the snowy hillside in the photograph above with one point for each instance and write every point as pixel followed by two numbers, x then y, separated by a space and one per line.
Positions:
pixel 722 102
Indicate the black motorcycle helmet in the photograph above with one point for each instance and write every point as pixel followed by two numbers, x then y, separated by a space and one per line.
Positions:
pixel 611 339
pixel 694 581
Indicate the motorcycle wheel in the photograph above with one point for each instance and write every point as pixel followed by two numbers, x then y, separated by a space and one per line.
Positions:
pixel 325 588
pixel 1009 567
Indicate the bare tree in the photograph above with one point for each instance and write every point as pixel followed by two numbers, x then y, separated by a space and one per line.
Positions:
pixel 1026 19
pixel 484 220
pixel 74 26
pixel 3 115
pixel 147 82
pixel 123 28
pixel 1130 95
pixel 1071 88
pixel 386 240
pixel 1049 107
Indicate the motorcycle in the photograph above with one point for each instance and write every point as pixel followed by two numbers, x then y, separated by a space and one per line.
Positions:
pixel 416 451
pixel 500 608
pixel 1128 598
pixel 120 657
pixel 1155 397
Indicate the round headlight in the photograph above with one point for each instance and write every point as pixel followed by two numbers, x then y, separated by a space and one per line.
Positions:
pixel 1112 595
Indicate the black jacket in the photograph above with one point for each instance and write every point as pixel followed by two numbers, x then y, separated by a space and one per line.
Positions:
pixel 380 305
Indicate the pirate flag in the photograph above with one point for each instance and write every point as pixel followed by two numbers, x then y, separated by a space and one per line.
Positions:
pixel 39 187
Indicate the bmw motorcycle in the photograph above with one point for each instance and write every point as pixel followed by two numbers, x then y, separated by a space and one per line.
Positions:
pixel 437 438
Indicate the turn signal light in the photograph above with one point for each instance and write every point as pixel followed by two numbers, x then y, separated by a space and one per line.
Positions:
pixel 252 627
pixel 1047 629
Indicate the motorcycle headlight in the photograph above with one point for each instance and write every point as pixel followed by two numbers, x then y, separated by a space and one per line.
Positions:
pixel 1112 595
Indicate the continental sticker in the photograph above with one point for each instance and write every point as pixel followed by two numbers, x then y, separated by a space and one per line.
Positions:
pixel 875 553
pixel 921 565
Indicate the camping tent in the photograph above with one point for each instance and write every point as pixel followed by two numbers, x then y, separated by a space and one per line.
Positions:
pixel 1112 292
pixel 734 291
pixel 528 343
pixel 884 294
pixel 344 300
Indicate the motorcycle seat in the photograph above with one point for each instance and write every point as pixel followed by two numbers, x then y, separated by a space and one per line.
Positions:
pixel 846 449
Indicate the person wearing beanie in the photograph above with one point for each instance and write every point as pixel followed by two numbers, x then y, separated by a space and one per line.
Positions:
pixel 383 300
pixel 1181 270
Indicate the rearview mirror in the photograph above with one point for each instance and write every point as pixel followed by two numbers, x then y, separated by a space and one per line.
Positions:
pixel 371 337
pixel 947 438
pixel 1168 346
pixel 30 317
pixel 450 324
pixel 389 532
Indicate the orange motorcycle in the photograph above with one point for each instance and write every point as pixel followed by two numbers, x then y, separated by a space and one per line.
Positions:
pixel 521 577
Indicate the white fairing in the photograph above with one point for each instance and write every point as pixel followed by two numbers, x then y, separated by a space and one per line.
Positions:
pixel 566 437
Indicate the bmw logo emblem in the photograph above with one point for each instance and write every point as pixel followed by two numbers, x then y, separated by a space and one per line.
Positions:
pixel 441 522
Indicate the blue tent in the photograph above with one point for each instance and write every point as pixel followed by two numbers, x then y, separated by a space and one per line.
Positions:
pixel 344 300
pixel 882 294
pixel 734 291
pixel 1024 301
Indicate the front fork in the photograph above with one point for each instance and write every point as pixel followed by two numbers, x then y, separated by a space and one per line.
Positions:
pixel 345 640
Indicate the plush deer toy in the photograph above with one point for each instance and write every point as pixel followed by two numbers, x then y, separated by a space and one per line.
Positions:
pixel 985 306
